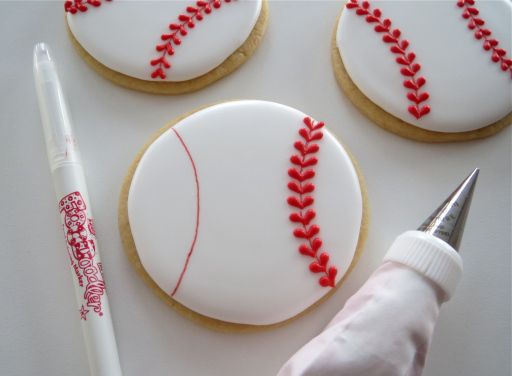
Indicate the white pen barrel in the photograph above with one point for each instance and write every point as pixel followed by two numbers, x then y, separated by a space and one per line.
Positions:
pixel 60 143
pixel 93 308
pixel 77 221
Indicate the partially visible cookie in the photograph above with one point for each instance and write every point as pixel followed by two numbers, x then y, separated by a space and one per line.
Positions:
pixel 434 71
pixel 166 47
pixel 243 215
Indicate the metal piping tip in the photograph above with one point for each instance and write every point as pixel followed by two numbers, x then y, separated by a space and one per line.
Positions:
pixel 447 222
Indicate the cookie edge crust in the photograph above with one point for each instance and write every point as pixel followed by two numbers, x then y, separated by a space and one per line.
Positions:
pixel 392 123
pixel 235 60
pixel 211 323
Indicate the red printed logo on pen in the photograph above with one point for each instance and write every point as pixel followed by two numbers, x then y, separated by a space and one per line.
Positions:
pixel 81 244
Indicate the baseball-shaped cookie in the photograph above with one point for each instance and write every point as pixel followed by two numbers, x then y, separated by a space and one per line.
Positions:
pixel 431 70
pixel 165 47
pixel 244 214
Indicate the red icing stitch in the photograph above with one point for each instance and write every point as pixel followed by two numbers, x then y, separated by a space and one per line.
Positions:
pixel 81 244
pixel 300 186
pixel 476 23
pixel 196 230
pixel 179 29
pixel 73 6
pixel 404 58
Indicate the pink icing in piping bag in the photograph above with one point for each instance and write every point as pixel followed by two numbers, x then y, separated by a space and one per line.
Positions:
pixel 386 327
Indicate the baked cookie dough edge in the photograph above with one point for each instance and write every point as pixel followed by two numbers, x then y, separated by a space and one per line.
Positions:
pixel 390 122
pixel 211 323
pixel 235 60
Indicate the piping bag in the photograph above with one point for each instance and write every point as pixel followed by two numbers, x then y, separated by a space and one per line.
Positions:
pixel 385 328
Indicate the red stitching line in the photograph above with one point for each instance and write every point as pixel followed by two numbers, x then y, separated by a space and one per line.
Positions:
pixel 185 21
pixel 399 47
pixel 73 6
pixel 300 186
pixel 197 213
pixel 470 13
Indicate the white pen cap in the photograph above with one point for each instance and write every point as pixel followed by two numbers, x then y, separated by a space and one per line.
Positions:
pixel 61 145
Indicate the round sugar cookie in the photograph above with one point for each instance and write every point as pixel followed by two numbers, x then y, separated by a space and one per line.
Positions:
pixel 166 47
pixel 243 215
pixel 435 71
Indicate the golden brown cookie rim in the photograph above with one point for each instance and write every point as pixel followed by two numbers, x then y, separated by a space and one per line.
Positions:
pixel 229 65
pixel 392 123
pixel 215 324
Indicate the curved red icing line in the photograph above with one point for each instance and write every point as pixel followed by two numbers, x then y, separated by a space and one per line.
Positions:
pixel 198 210
pixel 186 20
pixel 302 173
pixel 404 58
pixel 476 23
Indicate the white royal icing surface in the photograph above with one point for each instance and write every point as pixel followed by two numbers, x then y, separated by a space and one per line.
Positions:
pixel 122 35
pixel 245 267
pixel 467 90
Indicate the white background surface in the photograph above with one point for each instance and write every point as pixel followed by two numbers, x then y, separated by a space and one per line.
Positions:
pixel 406 180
